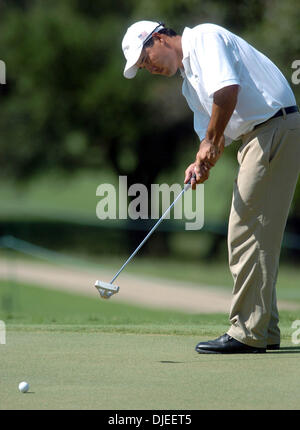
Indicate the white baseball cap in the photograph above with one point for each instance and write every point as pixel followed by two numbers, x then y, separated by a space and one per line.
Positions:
pixel 133 41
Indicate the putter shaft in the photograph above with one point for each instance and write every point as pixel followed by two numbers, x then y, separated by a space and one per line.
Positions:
pixel 186 187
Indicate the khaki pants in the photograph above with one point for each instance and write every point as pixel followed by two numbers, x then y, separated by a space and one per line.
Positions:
pixel 269 165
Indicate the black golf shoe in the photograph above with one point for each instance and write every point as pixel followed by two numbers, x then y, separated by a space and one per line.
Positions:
pixel 273 346
pixel 226 345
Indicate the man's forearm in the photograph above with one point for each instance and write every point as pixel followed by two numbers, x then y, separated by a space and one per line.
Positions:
pixel 211 148
pixel 224 103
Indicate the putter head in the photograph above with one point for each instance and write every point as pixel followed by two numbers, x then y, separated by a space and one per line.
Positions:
pixel 106 290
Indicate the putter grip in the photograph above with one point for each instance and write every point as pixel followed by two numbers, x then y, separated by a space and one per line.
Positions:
pixel 193 177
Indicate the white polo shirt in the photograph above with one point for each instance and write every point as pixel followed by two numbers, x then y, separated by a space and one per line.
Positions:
pixel 214 58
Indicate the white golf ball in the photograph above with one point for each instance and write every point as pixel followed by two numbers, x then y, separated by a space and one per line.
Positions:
pixel 23 387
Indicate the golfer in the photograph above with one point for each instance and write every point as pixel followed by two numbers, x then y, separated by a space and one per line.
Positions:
pixel 235 93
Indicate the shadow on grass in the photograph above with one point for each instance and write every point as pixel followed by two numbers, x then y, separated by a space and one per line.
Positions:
pixel 287 350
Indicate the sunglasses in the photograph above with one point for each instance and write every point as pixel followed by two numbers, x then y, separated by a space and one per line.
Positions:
pixel 152 32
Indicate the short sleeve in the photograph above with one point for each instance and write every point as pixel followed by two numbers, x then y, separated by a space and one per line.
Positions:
pixel 219 62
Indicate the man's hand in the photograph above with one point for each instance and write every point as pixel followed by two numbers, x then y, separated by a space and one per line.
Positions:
pixel 191 174
pixel 206 158
pixel 208 153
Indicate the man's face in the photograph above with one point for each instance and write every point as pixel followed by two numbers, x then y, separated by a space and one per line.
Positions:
pixel 159 59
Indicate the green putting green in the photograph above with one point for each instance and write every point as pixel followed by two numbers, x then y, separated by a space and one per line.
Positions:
pixel 83 353
pixel 96 370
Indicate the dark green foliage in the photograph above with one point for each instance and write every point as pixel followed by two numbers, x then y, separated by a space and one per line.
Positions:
pixel 66 104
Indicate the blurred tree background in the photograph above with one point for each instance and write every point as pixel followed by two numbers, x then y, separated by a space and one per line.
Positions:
pixel 69 120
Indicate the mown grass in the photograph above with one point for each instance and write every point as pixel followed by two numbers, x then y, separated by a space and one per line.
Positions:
pixel 56 194
pixel 210 273
pixel 113 371
pixel 78 352
pixel 29 307
pixel 204 273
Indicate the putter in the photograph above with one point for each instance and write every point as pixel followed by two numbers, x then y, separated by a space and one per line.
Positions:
pixel 106 289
